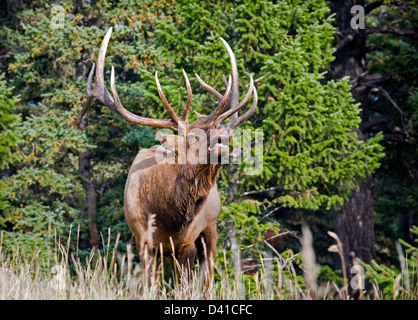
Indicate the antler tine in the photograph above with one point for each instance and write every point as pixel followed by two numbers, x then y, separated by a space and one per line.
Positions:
pixel 235 109
pixel 99 92
pixel 208 88
pixel 88 102
pixel 223 100
pixel 89 79
pixel 164 100
pixel 225 81
pixel 159 123
pixel 219 108
pixel 185 114
pixel 231 104
pixel 83 111
pixel 201 120
pixel 234 99
pixel 249 113
pixel 101 57
pixel 214 115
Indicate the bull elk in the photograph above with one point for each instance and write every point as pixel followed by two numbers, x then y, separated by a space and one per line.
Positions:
pixel 181 199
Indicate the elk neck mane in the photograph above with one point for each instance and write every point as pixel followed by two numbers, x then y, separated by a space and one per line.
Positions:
pixel 191 189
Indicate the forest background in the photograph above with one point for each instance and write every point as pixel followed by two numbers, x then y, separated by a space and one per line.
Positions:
pixel 338 106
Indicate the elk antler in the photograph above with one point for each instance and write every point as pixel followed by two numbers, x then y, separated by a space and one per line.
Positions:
pixel 101 93
pixel 229 104
pixel 232 107
pixel 185 114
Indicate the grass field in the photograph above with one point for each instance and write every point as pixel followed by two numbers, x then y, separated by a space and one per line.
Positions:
pixel 115 276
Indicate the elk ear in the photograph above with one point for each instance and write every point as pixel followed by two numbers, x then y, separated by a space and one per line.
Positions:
pixel 167 140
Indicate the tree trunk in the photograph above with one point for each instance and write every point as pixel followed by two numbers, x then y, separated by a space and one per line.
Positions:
pixel 354 225
pixel 84 168
pixel 354 222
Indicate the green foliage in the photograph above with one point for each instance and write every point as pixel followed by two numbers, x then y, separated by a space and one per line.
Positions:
pixel 8 121
pixel 247 222
pixel 397 282
pixel 312 139
pixel 42 196
pixel 328 275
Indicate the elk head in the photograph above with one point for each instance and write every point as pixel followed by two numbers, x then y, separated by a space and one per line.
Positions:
pixel 217 134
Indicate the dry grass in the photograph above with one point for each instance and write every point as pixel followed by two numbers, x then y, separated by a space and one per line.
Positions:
pixel 101 278
pixel 113 276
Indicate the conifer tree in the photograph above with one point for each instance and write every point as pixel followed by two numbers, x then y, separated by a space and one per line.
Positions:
pixel 311 153
pixel 8 121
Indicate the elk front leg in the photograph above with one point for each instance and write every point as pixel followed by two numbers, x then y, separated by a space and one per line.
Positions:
pixel 206 250
pixel 146 255
pixel 185 258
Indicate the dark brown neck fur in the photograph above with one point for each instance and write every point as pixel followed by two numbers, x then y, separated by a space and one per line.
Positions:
pixel 191 189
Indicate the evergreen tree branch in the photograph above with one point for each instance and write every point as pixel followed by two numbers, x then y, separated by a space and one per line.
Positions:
pixel 393 30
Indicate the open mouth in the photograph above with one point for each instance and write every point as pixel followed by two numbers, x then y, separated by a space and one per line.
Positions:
pixel 219 145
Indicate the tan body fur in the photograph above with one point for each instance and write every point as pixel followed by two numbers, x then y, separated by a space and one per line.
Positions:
pixel 186 204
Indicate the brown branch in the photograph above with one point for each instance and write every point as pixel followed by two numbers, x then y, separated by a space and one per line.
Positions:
pixel 395 137
pixel 393 30
pixel 357 79
pixel 259 191
pixel 346 41
pixel 373 48
pixel 387 96
pixel 374 83
pixel 371 6
pixel 369 124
